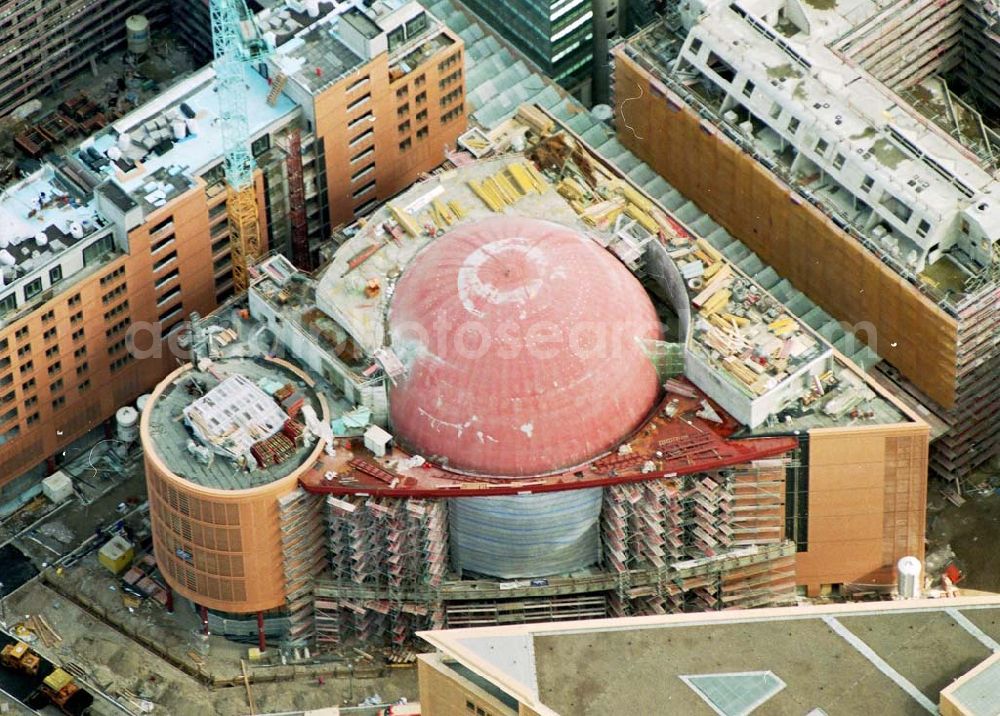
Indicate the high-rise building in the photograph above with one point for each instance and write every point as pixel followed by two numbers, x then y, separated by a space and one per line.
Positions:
pixel 838 150
pixel 115 243
pixel 560 36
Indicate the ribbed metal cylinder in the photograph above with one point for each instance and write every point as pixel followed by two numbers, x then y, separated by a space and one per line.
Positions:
pixel 523 536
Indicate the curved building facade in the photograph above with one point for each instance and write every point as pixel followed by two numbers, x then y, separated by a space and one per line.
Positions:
pixel 216 525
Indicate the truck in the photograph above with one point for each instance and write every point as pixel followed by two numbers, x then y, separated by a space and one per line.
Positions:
pixel 63 692
pixel 19 657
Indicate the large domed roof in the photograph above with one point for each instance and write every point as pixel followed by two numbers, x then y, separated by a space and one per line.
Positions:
pixel 522 343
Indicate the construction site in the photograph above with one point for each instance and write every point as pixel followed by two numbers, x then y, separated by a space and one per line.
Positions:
pixel 444 352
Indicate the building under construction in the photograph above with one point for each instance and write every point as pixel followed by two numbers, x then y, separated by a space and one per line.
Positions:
pixel 855 153
pixel 444 430
pixel 131 228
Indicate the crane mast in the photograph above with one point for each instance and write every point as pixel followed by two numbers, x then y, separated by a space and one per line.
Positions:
pixel 237 45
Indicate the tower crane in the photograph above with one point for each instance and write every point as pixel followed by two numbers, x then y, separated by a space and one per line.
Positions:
pixel 237 45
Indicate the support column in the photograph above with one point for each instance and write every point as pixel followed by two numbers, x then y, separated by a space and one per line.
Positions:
pixel 261 640
pixel 204 619
pixel 50 465
pixel 170 599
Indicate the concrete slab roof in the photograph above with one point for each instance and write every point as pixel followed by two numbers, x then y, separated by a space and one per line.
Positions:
pixel 853 658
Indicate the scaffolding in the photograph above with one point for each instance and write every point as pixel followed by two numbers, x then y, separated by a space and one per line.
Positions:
pixel 696 533
pixel 303 551
pixel 395 546
pixel 297 202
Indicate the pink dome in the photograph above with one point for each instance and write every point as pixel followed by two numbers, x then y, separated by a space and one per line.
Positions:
pixel 521 343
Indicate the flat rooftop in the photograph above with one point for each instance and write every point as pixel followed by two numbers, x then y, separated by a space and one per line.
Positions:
pixel 42 204
pixel 172 431
pixel 894 657
pixel 165 163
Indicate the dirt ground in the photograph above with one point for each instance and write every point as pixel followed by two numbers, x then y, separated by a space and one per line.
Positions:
pixel 969 533
pixel 113 663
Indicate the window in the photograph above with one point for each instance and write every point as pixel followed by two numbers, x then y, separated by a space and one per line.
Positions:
pixel 74 301
pixel 448 62
pixel 358 102
pixel 165 260
pixel 117 273
pixel 49 334
pixel 7 398
pixel 838 161
pixel 48 316
pixel 172 293
pixel 898 209
pixel 33 418
pixel 52 352
pixel 27 367
pixel 21 333
pixel 422 115
pixel 696 46
pixel 453 77
pixel 964 227
pixel 402 110
pixel 422 132
pixel 115 347
pixel 404 127
pixel 114 293
pixel 362 137
pixel 77 335
pixel 721 68
pixel 117 310
pixel 365 189
pixel 84 385
pixel 419 81
pixel 821 146
pixel 31 402
pixel 76 317
pixel 402 92
pixel 33 289
pixel 775 111
pixel 361 155
pixel 923 227
pixel 120 363
pixel 166 223
pixel 867 183
pixel 167 278
pixel 55 367
pixel 164 317
pixel 24 351
pixel 748 88
pixel 82 368
pixel 8 416
pixel 421 98
pixel 415 26
pixel 363 172
pixel 59 402
pixel 260 145
pixel 366 117
pixel 96 252
pixel 27 385
pixel 357 84
pixel 80 352
pixel 405 144
pixel 123 324
pixel 4 344
pixel 161 244
pixel 396 38
pixel 8 303
pixel 450 97
pixel 793 124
